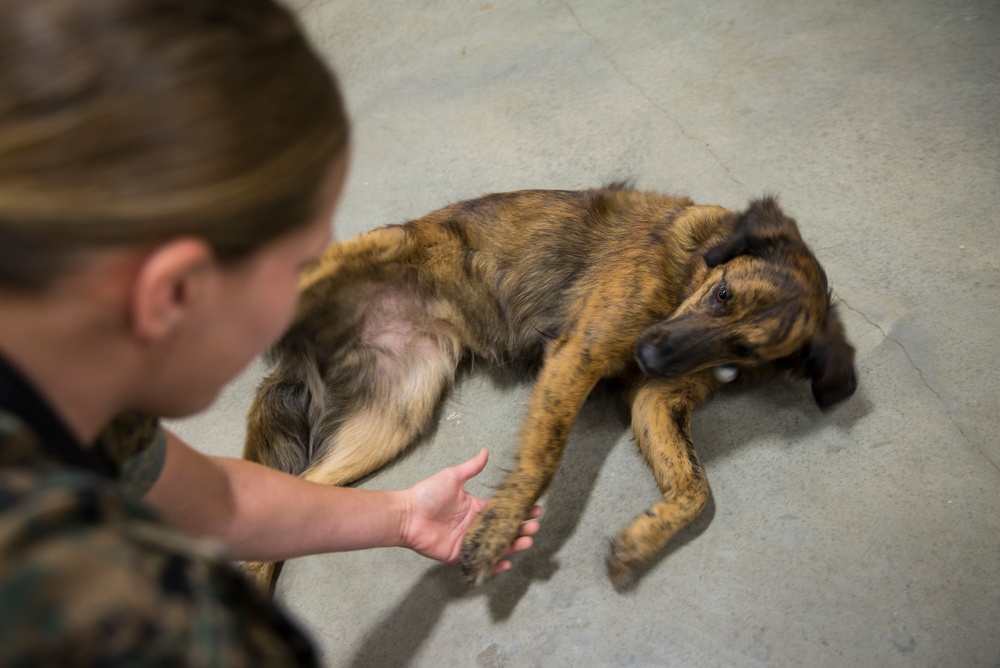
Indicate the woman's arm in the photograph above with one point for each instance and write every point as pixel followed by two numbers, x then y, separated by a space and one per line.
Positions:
pixel 265 515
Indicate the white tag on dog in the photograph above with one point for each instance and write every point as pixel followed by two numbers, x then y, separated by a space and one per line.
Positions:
pixel 726 373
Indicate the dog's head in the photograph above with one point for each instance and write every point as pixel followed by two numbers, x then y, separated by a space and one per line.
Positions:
pixel 764 298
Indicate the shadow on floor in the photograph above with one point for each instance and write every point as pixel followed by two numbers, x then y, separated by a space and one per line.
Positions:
pixel 780 410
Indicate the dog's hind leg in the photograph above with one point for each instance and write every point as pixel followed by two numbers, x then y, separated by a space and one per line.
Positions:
pixel 386 404
pixel 661 418
pixel 381 396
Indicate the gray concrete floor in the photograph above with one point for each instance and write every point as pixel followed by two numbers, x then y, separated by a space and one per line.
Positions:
pixel 869 536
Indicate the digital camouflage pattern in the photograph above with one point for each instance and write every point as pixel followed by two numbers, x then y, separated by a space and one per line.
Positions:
pixel 134 448
pixel 90 576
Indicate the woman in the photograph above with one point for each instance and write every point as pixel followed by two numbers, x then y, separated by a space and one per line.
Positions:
pixel 166 169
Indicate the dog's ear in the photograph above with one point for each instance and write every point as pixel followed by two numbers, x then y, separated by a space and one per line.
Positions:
pixel 830 363
pixel 760 228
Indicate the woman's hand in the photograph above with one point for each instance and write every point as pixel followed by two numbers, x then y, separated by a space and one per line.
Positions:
pixel 439 511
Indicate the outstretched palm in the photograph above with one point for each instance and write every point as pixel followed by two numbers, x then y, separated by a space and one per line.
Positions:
pixel 441 511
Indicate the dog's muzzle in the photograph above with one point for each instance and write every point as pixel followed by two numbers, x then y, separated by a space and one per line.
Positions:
pixel 661 360
pixel 663 353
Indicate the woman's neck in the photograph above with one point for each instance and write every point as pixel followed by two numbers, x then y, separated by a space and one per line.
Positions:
pixel 67 342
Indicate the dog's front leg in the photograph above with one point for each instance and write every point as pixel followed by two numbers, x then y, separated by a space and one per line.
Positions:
pixel 661 418
pixel 565 381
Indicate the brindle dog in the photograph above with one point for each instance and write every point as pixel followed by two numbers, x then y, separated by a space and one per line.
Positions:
pixel 593 284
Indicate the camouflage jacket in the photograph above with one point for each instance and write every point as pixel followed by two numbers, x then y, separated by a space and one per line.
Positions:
pixel 90 576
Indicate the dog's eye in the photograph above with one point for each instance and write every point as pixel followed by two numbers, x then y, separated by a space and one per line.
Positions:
pixel 721 293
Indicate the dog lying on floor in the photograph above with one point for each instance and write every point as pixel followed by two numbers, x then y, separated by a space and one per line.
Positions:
pixel 592 284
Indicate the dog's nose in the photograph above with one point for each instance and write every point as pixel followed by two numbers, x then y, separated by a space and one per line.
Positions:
pixel 649 358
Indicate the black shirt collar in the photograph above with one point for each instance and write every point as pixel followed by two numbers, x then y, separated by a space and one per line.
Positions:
pixel 19 397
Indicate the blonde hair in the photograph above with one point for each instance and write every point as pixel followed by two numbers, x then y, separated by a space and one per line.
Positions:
pixel 137 121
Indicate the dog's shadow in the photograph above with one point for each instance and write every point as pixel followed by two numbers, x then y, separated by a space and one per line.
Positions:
pixel 717 428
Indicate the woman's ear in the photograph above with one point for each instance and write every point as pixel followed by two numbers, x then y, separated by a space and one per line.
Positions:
pixel 167 286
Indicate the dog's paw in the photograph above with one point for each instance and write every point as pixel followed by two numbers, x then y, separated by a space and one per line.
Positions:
pixel 629 551
pixel 620 565
pixel 486 543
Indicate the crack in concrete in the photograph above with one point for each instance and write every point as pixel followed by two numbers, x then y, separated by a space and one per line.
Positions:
pixel 920 373
pixel 653 103
pixel 906 353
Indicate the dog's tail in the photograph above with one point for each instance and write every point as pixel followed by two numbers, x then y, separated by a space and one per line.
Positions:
pixel 279 433
pixel 287 403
